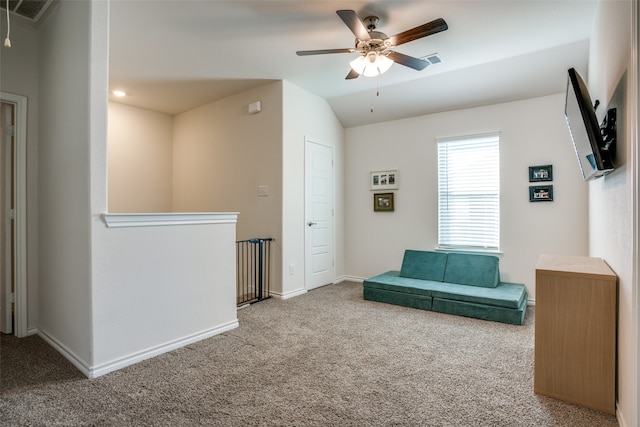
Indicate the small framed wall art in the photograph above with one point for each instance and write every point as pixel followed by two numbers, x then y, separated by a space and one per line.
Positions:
pixel 540 173
pixel 383 202
pixel 384 180
pixel 541 193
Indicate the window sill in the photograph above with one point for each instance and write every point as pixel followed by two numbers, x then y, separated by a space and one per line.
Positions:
pixel 496 252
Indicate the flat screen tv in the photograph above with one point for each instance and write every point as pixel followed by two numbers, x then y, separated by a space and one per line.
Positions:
pixel 593 150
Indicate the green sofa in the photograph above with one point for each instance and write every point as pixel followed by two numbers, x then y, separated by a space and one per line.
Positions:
pixel 454 283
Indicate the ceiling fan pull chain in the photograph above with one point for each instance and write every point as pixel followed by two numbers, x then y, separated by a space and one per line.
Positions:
pixel 7 40
pixel 372 99
pixel 377 91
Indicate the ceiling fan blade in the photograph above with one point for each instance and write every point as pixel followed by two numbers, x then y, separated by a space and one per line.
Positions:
pixel 353 74
pixel 423 30
pixel 350 18
pixel 407 61
pixel 324 51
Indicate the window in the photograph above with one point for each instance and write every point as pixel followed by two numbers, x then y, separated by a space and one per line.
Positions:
pixel 469 193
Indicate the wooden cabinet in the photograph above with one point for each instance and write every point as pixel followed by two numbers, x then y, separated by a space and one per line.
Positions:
pixel 575 331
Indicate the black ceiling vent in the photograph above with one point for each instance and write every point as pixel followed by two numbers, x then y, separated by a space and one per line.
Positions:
pixel 30 9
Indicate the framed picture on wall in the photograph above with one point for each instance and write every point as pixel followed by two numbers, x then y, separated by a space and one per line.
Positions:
pixel 384 180
pixel 541 193
pixel 540 173
pixel 383 202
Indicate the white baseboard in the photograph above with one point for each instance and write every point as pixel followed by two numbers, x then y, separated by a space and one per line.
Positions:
pixel 354 279
pixel 105 368
pixel 81 365
pixel 290 294
pixel 620 417
pixel 303 291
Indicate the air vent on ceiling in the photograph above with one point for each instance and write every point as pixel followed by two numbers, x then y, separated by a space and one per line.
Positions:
pixel 433 58
pixel 30 9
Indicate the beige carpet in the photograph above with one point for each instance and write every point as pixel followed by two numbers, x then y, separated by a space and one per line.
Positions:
pixel 326 358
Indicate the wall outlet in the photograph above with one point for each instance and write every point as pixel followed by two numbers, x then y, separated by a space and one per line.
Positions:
pixel 292 269
pixel 263 190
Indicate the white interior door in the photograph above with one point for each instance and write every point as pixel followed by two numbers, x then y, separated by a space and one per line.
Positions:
pixel 319 224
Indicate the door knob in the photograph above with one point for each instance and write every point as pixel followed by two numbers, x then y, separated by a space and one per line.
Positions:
pixel 311 223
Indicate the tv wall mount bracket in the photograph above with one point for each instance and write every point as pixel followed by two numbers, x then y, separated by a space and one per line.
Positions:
pixel 608 130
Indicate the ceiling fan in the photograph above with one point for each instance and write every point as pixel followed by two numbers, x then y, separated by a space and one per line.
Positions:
pixel 375 47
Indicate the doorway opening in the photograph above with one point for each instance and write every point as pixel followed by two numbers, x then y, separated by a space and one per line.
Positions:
pixel 7 209
pixel 13 292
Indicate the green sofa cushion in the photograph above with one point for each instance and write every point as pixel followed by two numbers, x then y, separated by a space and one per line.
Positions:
pixel 508 295
pixel 481 311
pixel 392 281
pixel 473 270
pixel 423 265
pixel 398 298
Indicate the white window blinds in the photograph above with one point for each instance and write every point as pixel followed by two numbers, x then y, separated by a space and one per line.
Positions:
pixel 469 192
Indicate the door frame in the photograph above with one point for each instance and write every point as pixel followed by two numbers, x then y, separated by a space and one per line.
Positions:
pixel 307 262
pixel 20 213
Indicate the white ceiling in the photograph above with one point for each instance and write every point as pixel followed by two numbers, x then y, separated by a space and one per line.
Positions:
pixel 172 56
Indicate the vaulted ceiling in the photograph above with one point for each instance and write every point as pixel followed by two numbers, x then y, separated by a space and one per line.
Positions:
pixel 172 56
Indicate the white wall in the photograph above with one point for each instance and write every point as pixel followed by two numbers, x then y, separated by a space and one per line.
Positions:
pixel 19 70
pixel 64 180
pixel 306 114
pixel 222 154
pixel 613 199
pixel 140 147
pixel 532 132
pixel 158 287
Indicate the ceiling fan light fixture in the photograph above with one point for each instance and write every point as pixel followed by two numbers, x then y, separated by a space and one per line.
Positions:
pixel 384 63
pixel 375 46
pixel 358 64
pixel 371 64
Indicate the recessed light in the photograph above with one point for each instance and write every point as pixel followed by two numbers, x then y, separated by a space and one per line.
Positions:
pixel 119 93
